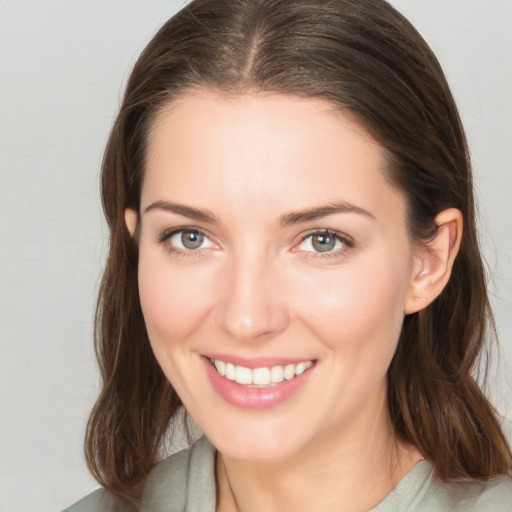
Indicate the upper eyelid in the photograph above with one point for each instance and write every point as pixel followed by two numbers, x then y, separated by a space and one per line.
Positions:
pixel 164 238
pixel 326 231
pixel 166 234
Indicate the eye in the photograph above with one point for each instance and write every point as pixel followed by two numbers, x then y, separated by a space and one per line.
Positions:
pixel 325 241
pixel 185 239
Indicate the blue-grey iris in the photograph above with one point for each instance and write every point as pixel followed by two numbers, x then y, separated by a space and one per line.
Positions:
pixel 323 243
pixel 192 239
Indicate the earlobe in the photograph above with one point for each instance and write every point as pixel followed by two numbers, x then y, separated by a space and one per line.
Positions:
pixel 434 262
pixel 131 219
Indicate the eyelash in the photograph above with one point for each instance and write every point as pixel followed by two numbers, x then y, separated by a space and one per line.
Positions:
pixel 346 240
pixel 167 234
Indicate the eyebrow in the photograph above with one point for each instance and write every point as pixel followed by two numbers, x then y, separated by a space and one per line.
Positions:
pixel 320 212
pixel 185 211
pixel 287 219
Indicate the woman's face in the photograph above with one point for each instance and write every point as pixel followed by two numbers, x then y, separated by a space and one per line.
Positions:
pixel 271 246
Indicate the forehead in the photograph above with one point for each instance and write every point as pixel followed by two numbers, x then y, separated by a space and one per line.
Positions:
pixel 276 149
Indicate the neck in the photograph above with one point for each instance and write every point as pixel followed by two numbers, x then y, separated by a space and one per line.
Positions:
pixel 344 472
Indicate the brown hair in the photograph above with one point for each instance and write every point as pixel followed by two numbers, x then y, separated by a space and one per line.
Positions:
pixel 368 60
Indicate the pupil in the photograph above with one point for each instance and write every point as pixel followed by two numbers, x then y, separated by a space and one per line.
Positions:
pixel 192 240
pixel 323 243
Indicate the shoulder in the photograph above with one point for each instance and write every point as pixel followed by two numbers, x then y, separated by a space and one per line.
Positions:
pixel 100 501
pixel 186 480
pixel 421 491
pixel 470 496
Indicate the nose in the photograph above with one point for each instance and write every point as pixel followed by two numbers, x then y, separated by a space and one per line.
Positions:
pixel 250 306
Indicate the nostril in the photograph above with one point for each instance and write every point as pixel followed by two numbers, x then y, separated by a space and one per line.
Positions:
pixel 252 325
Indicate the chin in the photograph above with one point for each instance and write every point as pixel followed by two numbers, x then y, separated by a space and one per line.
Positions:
pixel 258 442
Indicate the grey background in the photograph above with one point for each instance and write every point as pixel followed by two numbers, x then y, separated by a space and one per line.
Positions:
pixel 62 64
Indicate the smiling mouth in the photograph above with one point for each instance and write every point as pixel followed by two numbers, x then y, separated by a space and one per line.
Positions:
pixel 264 377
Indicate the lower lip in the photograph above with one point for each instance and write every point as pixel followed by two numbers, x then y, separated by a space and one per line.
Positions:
pixel 258 399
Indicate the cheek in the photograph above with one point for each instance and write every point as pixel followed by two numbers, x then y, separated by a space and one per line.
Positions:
pixel 173 299
pixel 358 311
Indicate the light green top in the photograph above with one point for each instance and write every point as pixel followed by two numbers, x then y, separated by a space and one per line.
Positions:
pixel 185 482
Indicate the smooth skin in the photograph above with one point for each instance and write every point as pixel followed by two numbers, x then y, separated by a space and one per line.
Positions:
pixel 241 271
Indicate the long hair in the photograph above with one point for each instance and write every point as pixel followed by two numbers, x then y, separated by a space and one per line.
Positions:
pixel 370 63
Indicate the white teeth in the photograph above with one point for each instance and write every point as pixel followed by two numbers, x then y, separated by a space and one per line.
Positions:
pixel 289 372
pixel 277 374
pixel 221 366
pixel 243 375
pixel 230 371
pixel 300 368
pixel 260 377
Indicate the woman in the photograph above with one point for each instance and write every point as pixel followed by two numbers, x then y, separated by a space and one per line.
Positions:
pixel 294 260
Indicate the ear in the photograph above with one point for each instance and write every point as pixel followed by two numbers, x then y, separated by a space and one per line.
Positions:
pixel 433 263
pixel 131 219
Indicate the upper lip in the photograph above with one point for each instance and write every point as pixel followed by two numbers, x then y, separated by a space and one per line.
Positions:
pixel 257 362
